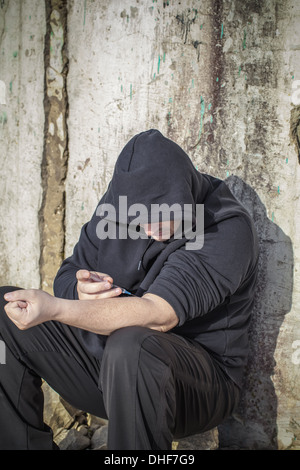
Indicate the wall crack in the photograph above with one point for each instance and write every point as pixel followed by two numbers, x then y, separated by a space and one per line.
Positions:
pixel 55 154
pixel 295 129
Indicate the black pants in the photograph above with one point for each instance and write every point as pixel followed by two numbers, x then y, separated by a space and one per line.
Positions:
pixel 151 386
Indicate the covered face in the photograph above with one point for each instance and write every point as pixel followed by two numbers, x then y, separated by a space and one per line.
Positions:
pixel 154 186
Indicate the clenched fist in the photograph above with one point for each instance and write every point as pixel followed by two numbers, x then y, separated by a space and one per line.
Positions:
pixel 27 308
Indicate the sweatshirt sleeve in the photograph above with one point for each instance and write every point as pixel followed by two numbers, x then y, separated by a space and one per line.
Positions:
pixel 196 282
pixel 85 255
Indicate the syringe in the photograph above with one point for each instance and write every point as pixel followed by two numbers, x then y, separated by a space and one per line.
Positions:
pixel 95 277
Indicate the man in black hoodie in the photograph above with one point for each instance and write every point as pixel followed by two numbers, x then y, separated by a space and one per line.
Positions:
pixel 162 356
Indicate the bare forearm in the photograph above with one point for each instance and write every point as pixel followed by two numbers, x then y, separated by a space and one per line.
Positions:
pixel 107 315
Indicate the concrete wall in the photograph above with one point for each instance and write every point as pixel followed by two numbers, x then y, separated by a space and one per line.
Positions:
pixel 222 78
pixel 22 31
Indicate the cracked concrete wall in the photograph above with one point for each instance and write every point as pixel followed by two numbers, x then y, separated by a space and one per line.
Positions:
pixel 222 78
pixel 22 31
pixel 55 154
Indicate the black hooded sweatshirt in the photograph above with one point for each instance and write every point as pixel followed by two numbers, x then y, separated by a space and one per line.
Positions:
pixel 211 288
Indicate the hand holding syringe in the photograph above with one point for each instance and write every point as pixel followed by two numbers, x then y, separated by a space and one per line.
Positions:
pixel 95 277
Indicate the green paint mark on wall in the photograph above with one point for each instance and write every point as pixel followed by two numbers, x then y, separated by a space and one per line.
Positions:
pixel 158 64
pixel 15 54
pixel 3 118
pixel 169 118
pixel 202 111
pixel 244 40
pixel 222 30
pixel 131 91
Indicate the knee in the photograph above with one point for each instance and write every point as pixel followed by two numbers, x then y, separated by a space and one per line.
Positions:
pixel 125 347
pixel 3 291
pixel 126 342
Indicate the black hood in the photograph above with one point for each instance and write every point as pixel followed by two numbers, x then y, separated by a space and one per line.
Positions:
pixel 152 169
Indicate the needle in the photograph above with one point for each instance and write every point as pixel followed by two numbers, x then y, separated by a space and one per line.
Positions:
pixel 97 278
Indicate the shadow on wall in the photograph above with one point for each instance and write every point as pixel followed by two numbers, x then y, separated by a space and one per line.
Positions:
pixel 253 426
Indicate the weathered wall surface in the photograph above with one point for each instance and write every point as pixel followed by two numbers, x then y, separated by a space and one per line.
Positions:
pixel 150 64
pixel 219 77
pixel 55 151
pixel 22 31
